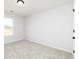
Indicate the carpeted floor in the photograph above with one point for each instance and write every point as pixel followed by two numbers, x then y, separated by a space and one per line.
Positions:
pixel 29 50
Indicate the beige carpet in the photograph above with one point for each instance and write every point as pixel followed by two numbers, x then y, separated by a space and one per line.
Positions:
pixel 29 50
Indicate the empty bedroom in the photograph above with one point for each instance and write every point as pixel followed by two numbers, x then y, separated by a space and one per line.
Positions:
pixel 39 29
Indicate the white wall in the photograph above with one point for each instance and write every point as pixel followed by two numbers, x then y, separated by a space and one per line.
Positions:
pixel 18 29
pixel 52 28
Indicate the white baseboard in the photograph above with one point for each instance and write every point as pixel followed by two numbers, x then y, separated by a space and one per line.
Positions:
pixel 7 41
pixel 45 44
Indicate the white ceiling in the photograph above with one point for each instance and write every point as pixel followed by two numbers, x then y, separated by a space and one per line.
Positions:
pixel 31 6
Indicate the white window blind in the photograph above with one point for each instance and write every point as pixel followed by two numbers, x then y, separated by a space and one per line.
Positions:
pixel 8 26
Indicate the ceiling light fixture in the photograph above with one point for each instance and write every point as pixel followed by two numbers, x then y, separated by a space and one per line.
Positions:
pixel 20 2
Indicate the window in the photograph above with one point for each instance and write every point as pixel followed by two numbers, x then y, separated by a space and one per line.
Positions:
pixel 8 26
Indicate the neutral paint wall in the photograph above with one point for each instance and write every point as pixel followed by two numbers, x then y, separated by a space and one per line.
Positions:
pixel 18 29
pixel 52 28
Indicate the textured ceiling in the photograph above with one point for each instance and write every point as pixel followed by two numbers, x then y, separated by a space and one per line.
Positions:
pixel 31 6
